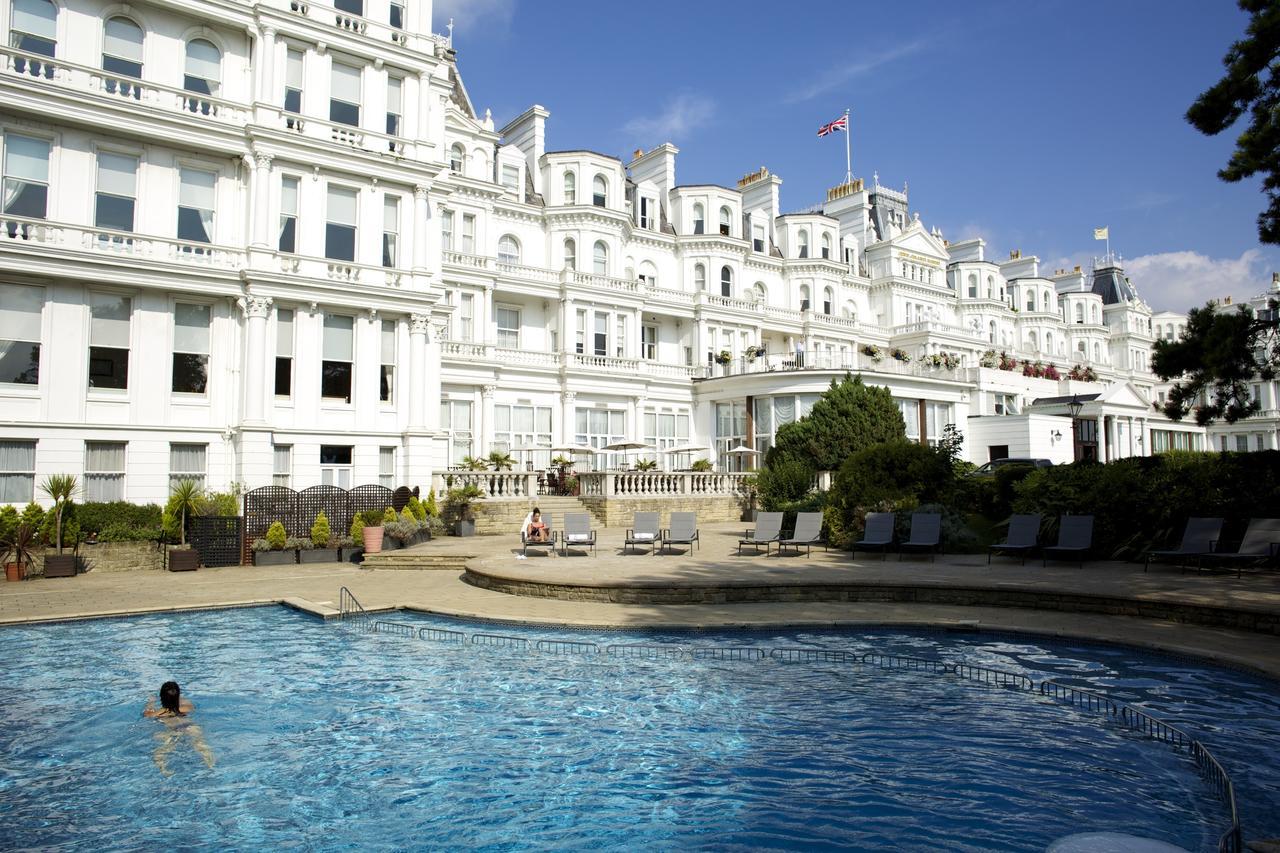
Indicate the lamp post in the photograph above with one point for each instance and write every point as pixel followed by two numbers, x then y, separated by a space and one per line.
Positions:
pixel 1073 409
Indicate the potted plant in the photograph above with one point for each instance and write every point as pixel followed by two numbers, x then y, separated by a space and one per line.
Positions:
pixel 353 550
pixel 271 550
pixel 724 357
pixel 753 352
pixel 872 352
pixel 500 461
pixel 371 531
pixel 389 542
pixel 16 552
pixel 323 549
pixel 459 502
pixel 571 486
pixel 297 545
pixel 988 359
pixel 646 464
pixel 472 463
pixel 60 488
pixel 184 502
pixel 900 355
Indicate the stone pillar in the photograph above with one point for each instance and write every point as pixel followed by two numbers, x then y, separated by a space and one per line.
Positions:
pixel 419 378
pixel 261 200
pixel 486 314
pixel 421 216
pixel 568 426
pixel 424 106
pixel 431 388
pixel 1129 427
pixel 487 415
pixel 256 309
pixel 634 427
pixel 267 66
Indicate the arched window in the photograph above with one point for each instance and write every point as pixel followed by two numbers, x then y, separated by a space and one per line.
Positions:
pixel 802 243
pixel 1093 314
pixel 1097 352
pixel 599 191
pixel 1080 348
pixel 804 297
pixel 699 277
pixel 699 219
pixel 34 29
pixel 1031 301
pixel 1048 342
pixel 1033 342
pixel 826 246
pixel 828 301
pixel 570 254
pixel 973 286
pixel 600 258
pixel 648 274
pixel 570 188
pixel 726 281
pixel 508 250
pixel 203 69
pixel 1046 302
pixel 457 156
pixel 726 217
pixel 850 311
pixel 760 292
pixel 991 287
pixel 991 331
pixel 122 47
pixel 1079 313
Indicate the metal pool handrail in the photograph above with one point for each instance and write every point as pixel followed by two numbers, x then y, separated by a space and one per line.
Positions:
pixel 350 608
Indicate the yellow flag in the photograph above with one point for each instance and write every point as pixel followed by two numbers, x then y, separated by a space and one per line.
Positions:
pixel 1101 233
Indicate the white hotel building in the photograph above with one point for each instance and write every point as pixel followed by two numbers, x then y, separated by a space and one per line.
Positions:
pixel 273 242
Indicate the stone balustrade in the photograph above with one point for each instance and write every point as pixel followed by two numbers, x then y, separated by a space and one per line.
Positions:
pixel 493 485
pixel 643 484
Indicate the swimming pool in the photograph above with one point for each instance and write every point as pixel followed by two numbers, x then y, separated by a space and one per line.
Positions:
pixel 327 738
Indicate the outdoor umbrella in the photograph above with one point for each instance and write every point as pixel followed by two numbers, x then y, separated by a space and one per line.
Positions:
pixel 741 450
pixel 686 448
pixel 628 445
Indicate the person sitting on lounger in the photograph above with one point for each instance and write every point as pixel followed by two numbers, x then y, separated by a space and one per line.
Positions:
pixel 535 530
pixel 174 712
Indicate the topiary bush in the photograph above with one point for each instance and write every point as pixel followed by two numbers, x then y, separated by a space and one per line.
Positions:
pixel 416 509
pixel 276 536
pixel 430 505
pixel 407 516
pixel 8 523
pixel 357 527
pixel 389 516
pixel 320 532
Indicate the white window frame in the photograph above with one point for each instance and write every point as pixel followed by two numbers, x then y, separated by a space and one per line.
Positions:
pixel 200 477
pixel 18 485
pixel 507 336
pixel 105 485
pixel 282 475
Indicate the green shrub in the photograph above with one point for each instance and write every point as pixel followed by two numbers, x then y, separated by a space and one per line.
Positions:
pixel 32 516
pixel 389 516
pixel 372 517
pixel 1144 502
pixel 122 532
pixel 220 503
pixel 416 509
pixel 847 418
pixel 430 505
pixel 71 527
pixel 702 465
pixel 357 527
pixel 276 536
pixel 8 523
pixel 897 474
pixel 120 521
pixel 784 482
pixel 406 515
pixel 320 532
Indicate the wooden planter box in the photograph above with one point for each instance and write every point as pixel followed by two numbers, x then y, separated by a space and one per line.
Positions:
pixel 275 558
pixel 318 555
pixel 184 560
pixel 60 565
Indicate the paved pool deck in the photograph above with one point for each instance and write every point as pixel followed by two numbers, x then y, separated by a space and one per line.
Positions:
pixel 1006 588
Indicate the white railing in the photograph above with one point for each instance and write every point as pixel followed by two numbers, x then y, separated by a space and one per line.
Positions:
pixel 461 259
pixel 670 295
pixel 601 362
pixel 344 22
pixel 498 485
pixel 462 349
pixel 101 241
pixel 631 484
pixel 855 362
pixel 605 282
pixel 30 66
pixel 783 313
pixel 735 304
pixel 938 328
pixel 343 134
pixel 527 272
pixel 531 358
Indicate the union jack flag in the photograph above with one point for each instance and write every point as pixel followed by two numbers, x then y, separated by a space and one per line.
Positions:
pixel 841 123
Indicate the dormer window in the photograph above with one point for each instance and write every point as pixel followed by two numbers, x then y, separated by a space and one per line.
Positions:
pixel 726 218
pixel 699 219
pixel 599 191
pixel 456 158
pixel 757 238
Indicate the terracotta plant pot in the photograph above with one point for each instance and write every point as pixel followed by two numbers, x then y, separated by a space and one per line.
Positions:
pixel 13 571
pixel 372 540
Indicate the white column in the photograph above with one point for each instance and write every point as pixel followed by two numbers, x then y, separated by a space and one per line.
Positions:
pixel 1132 443
pixel 424 105
pixel 486 314
pixel 421 216
pixel 256 309
pixel 568 425
pixel 486 438
pixel 431 388
pixel 261 199
pixel 633 417
pixel 419 378
pixel 266 66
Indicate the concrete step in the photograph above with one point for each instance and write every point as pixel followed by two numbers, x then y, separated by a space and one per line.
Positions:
pixel 416 560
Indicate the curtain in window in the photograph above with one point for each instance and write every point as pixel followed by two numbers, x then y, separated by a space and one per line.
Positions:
pixel 24 160
pixel 109 320
pixel 784 410
pixel 196 192
pixel 17 471
pixel 20 307
pixel 339 338
pixel 104 471
pixel 187 458
pixel 191 328
pixel 282 456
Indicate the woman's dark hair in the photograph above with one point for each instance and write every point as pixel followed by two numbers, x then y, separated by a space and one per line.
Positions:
pixel 536 511
pixel 170 695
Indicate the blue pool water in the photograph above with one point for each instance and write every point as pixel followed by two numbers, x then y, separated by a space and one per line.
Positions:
pixel 327 738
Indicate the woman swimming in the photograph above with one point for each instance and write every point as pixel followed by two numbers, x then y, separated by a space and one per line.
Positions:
pixel 173 713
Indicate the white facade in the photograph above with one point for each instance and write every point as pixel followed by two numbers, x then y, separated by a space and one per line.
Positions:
pixel 274 242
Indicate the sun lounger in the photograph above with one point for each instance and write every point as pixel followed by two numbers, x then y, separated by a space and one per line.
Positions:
pixel 1197 539
pixel 1023 537
pixel 683 531
pixel 1075 538
pixel 877 534
pixel 768 530
pixel 577 531
pixel 808 533
pixel 643 531
pixel 926 534
pixel 1261 544
pixel 550 542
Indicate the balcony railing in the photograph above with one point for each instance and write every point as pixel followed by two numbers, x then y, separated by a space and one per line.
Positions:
pixel 345 134
pixel 639 484
pixel 853 362
pixel 33 68
pixel 345 22
pixel 104 241
pixel 472 351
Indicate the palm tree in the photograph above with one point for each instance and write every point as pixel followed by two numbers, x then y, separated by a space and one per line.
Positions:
pixel 471 463
pixel 500 461
pixel 60 488
pixel 184 500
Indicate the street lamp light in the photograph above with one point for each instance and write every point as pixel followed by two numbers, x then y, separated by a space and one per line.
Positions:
pixel 1074 407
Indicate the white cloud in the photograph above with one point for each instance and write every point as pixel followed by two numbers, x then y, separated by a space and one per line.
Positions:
pixel 1179 281
pixel 681 115
pixel 467 13
pixel 841 74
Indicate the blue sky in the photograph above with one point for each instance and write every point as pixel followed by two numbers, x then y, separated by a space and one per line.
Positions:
pixel 1027 124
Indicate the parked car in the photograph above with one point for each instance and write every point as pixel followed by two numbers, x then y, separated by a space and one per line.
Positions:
pixel 989 469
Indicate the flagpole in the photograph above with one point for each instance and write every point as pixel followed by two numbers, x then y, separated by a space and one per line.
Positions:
pixel 848 161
